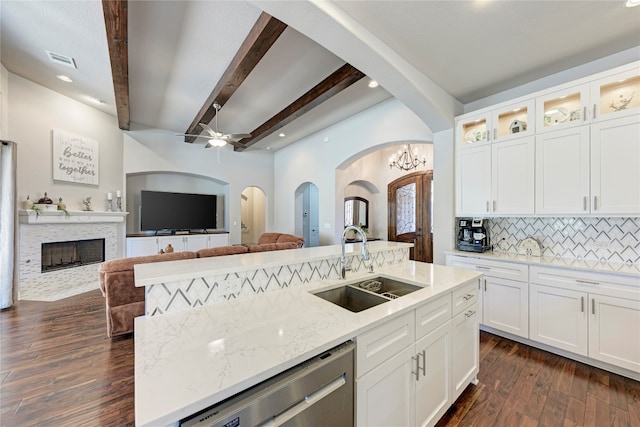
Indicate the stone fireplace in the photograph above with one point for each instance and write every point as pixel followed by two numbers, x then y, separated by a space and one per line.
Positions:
pixel 59 255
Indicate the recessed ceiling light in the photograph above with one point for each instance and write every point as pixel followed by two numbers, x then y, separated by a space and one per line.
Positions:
pixel 281 135
pixel 65 78
pixel 373 84
pixel 632 3
pixel 268 148
pixel 96 100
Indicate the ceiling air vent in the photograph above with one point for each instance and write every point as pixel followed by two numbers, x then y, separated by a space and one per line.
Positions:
pixel 61 59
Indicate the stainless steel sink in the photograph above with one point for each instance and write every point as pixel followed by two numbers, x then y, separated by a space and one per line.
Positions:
pixel 351 298
pixel 368 293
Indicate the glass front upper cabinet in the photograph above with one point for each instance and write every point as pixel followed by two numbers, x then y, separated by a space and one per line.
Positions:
pixel 473 130
pixel 616 96
pixel 513 121
pixel 562 109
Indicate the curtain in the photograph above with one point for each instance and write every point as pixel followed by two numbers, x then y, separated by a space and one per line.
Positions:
pixel 8 279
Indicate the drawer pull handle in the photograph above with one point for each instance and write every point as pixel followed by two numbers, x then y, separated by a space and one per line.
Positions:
pixel 470 313
pixel 424 362
pixel 593 306
pixel 582 304
pixel 584 203
pixel 468 296
pixel 417 371
pixel 480 267
pixel 587 282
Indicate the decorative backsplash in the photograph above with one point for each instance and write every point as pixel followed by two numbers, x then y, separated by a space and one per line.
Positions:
pixel 601 239
pixel 182 295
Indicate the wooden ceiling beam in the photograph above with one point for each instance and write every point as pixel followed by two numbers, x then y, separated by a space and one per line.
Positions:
pixel 262 36
pixel 115 22
pixel 339 80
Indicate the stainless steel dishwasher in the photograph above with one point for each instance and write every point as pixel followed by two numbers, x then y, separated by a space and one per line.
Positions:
pixel 318 392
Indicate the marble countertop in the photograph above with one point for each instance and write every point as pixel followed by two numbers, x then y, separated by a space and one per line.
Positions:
pixel 546 261
pixel 173 271
pixel 190 360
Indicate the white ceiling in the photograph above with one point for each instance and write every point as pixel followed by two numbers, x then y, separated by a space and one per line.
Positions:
pixel 179 49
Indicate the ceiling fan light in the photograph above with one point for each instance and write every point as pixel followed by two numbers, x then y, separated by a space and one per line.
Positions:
pixel 216 142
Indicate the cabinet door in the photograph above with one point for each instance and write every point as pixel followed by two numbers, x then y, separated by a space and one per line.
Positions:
pixel 195 243
pixel 142 246
pixel 615 166
pixel 513 172
pixel 473 130
pixel 562 109
pixel 506 305
pixel 177 242
pixel 616 96
pixel 217 240
pixel 386 395
pixel 465 346
pixel 614 331
pixel 514 121
pixel 473 181
pixel 433 387
pixel 558 317
pixel 562 172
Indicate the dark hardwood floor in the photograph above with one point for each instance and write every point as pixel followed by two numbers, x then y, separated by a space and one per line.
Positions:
pixel 58 368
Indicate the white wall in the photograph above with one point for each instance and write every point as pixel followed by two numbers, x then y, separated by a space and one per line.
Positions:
pixel 443 194
pixel 156 150
pixel 34 111
pixel 4 101
pixel 314 160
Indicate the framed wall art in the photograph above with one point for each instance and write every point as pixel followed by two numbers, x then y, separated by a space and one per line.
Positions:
pixel 75 158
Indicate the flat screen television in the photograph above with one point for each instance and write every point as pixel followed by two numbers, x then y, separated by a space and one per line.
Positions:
pixel 161 210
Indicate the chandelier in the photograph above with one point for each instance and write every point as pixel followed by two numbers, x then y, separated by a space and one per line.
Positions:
pixel 406 159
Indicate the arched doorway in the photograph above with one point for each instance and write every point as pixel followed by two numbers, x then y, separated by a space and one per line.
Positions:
pixel 307 223
pixel 252 214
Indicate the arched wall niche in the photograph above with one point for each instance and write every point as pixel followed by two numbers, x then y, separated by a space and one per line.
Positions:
pixel 173 182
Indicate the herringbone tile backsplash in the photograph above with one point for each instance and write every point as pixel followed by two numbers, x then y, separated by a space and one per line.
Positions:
pixel 602 239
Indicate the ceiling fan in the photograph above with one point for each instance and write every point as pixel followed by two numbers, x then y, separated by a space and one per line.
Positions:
pixel 215 137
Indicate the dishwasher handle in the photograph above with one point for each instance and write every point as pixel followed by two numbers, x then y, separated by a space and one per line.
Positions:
pixel 305 404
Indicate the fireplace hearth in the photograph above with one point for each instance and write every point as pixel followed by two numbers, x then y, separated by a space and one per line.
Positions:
pixel 70 254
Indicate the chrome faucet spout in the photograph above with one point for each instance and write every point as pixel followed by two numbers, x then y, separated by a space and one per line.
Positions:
pixel 364 251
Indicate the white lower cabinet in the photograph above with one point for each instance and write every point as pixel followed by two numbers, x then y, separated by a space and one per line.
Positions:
pixel 413 386
pixel 465 350
pixel 504 293
pixel 559 318
pixel 386 395
pixel 433 379
pixel 506 305
pixel 151 245
pixel 591 314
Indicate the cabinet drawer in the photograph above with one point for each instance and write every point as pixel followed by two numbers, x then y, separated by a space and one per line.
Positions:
pixel 585 281
pixel 379 344
pixel 502 269
pixel 432 315
pixel 465 296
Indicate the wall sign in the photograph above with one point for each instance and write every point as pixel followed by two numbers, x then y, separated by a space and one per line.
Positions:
pixel 75 158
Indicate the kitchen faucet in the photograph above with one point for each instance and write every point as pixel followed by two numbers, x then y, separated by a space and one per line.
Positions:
pixel 365 252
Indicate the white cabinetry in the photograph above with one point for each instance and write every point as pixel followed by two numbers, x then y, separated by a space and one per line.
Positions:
pixel 591 314
pixel 140 246
pixel 405 367
pixel 615 166
pixel 587 156
pixel 504 293
pixel 496 179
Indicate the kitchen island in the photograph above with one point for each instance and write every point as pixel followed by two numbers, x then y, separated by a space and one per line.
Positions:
pixel 189 360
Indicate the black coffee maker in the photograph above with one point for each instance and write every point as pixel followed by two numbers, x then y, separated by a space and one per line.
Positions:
pixel 473 235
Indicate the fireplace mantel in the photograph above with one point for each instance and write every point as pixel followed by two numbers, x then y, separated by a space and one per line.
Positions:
pixel 29 216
